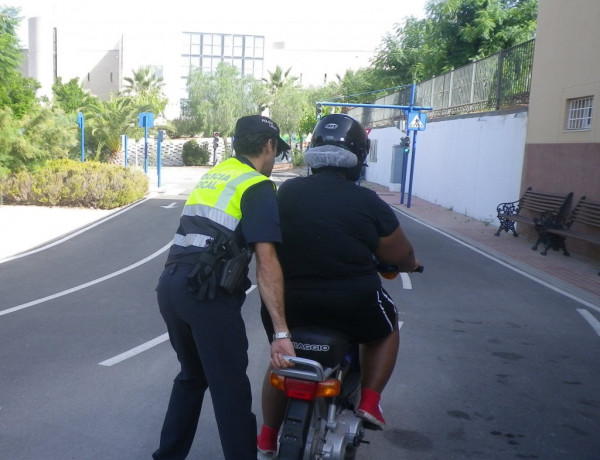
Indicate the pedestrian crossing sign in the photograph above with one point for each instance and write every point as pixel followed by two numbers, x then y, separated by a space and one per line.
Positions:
pixel 416 121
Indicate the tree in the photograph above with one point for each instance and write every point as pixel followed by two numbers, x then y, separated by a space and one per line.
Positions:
pixel 358 86
pixel 16 91
pixel 217 100
pixel 108 121
pixel 40 135
pixel 10 55
pixel 287 108
pixel 145 89
pixel 454 33
pixel 70 96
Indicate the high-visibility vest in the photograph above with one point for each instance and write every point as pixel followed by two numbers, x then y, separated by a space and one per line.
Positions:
pixel 216 199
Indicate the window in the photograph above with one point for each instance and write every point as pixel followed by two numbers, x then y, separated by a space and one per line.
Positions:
pixel 373 151
pixel 238 46
pixel 579 113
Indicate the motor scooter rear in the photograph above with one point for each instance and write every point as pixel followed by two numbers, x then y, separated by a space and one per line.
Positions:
pixel 323 390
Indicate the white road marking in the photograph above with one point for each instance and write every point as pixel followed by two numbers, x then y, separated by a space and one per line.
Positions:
pixel 505 264
pixel 85 285
pixel 400 324
pixel 406 283
pixel 590 319
pixel 135 351
pixel 145 346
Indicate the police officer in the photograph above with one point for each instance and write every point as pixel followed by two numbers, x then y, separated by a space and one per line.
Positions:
pixel 231 215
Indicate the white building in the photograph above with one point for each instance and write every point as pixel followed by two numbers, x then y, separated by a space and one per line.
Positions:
pixel 101 56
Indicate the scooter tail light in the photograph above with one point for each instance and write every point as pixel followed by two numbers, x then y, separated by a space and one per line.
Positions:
pixel 300 389
pixel 277 381
pixel 329 388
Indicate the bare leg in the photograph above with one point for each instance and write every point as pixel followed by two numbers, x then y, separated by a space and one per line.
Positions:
pixel 377 361
pixel 273 403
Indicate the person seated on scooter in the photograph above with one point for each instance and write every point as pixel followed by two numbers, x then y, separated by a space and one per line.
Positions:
pixel 332 229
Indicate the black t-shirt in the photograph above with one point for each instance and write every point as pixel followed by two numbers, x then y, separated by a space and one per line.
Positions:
pixel 260 217
pixel 330 228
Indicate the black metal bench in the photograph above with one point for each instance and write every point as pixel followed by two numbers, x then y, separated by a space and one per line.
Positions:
pixel 535 203
pixel 584 217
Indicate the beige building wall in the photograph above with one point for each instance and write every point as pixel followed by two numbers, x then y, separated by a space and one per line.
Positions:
pixel 566 66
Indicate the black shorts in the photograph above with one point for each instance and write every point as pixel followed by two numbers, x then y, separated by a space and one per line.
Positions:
pixel 366 316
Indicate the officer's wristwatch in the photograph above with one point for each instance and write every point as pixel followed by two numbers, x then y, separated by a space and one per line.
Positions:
pixel 282 335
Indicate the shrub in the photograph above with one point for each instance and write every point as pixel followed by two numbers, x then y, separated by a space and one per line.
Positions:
pixel 75 184
pixel 297 157
pixel 194 154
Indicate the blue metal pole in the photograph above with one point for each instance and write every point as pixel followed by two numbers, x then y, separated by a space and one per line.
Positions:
pixel 378 106
pixel 145 146
pixel 158 154
pixel 81 122
pixel 125 149
pixel 404 168
pixel 82 140
pixel 412 169
pixel 414 145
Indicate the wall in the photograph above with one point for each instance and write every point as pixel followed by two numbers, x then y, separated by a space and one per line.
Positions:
pixel 468 164
pixel 565 168
pixel 565 66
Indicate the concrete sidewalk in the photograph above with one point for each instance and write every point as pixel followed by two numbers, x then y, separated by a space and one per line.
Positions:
pixel 26 227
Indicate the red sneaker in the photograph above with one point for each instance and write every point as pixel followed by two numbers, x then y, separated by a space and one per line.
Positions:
pixel 369 409
pixel 373 417
pixel 266 441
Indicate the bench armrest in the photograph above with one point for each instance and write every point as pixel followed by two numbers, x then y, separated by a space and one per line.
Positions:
pixel 508 209
pixel 550 219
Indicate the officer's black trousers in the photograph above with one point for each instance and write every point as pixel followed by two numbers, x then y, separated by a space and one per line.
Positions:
pixel 210 341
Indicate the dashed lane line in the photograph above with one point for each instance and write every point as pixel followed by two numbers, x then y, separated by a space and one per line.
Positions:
pixel 145 346
pixel 135 351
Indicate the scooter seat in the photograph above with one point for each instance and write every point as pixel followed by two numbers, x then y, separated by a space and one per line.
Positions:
pixel 327 346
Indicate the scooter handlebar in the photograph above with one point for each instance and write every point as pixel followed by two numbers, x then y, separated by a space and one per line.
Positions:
pixel 391 271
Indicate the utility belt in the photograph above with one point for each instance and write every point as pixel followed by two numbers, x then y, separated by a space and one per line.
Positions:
pixel 222 264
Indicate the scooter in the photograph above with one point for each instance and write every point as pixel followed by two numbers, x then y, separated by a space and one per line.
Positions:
pixel 323 390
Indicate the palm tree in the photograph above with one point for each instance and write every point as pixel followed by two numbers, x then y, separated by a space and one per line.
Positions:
pixel 146 89
pixel 277 80
pixel 109 120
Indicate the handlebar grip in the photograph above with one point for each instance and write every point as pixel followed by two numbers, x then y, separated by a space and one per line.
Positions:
pixel 419 269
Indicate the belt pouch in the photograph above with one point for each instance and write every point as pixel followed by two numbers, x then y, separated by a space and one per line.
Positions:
pixel 233 273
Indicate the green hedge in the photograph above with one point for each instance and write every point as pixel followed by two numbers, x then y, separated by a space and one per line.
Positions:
pixel 74 184
pixel 194 154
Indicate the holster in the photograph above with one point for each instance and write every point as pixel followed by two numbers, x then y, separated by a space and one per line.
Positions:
pixel 223 264
pixel 233 273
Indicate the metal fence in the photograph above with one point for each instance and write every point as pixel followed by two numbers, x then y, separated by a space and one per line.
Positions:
pixel 502 80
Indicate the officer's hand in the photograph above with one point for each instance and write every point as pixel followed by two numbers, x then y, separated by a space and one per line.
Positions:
pixel 279 349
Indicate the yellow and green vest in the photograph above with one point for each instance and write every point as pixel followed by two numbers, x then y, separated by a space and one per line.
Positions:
pixel 216 199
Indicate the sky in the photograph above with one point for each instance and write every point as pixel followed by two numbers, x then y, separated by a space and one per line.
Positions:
pixel 315 39
pixel 303 24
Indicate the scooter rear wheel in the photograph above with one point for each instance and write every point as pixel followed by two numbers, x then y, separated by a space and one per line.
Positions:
pixel 294 431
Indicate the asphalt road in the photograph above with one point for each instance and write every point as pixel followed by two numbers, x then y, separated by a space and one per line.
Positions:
pixel 492 365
